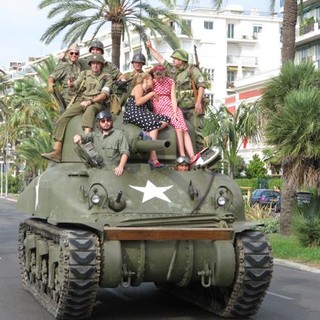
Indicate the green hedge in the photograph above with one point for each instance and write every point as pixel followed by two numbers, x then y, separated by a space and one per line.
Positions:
pixel 255 183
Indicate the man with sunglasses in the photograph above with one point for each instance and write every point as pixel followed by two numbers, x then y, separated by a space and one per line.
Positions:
pixel 70 69
pixel 91 88
pixel 110 143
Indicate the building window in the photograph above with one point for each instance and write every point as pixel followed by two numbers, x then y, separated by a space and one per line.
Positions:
pixel 230 32
pixel 208 25
pixel 209 73
pixel 257 29
pixel 188 23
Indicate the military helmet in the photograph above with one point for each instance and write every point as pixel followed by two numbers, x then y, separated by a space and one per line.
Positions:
pixel 96 44
pixel 103 115
pixel 96 57
pixel 180 54
pixel 138 57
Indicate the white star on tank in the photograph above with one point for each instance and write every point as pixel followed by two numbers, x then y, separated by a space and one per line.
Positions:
pixel 151 191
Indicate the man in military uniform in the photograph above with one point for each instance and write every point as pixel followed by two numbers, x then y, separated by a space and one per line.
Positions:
pixel 91 88
pixel 108 142
pixel 134 76
pixel 190 86
pixel 70 69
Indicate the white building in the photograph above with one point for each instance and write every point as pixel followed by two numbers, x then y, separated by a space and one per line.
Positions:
pixel 231 44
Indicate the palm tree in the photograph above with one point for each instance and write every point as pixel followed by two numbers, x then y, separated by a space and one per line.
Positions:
pixel 228 130
pixel 291 105
pixel 89 16
pixel 29 117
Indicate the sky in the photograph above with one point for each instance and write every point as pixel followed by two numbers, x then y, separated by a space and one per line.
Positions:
pixel 22 25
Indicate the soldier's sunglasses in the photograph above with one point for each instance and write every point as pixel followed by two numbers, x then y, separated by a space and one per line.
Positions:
pixel 74 53
pixel 105 120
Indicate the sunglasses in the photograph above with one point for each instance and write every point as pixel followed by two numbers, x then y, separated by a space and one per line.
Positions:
pixel 74 53
pixel 105 120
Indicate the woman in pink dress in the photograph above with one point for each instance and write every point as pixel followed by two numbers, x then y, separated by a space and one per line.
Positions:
pixel 165 103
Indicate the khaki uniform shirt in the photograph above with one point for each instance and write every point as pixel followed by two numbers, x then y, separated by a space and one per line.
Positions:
pixel 62 72
pixel 183 81
pixel 91 85
pixel 110 146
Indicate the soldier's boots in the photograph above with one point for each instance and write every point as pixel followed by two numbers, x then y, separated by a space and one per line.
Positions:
pixel 54 155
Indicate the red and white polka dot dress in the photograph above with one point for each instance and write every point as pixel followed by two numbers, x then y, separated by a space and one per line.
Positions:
pixel 163 105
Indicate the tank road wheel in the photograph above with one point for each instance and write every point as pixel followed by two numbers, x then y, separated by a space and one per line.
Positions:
pixel 60 268
pixel 252 279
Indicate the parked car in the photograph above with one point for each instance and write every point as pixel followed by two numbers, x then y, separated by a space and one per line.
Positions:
pixel 266 197
pixel 302 197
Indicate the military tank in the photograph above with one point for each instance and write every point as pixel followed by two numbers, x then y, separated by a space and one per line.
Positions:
pixel 184 231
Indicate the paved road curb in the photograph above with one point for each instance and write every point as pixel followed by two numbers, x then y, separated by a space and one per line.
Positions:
pixel 295 265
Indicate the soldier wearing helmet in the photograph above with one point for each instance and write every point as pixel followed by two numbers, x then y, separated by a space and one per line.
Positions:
pixel 108 142
pixel 190 86
pixel 135 76
pixel 91 88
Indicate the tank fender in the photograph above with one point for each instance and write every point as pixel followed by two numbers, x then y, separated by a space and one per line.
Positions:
pixel 111 272
pixel 240 226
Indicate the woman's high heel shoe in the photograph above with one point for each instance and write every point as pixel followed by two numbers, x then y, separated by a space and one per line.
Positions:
pixel 194 158
pixel 155 165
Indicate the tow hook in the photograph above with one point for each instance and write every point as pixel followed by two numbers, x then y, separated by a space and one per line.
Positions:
pixel 205 276
pixel 126 276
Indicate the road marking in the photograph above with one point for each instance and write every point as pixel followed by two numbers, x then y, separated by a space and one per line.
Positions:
pixel 279 295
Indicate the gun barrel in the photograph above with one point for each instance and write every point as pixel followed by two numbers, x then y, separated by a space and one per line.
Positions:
pixel 148 145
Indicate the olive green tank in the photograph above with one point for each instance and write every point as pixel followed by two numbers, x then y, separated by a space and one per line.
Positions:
pixel 184 231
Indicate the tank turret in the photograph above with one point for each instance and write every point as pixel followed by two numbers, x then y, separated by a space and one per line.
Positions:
pixel 186 231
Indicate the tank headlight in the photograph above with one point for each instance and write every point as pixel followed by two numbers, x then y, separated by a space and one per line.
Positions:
pixel 95 198
pixel 221 201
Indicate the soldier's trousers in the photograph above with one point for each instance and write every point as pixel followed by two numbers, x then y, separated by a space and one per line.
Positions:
pixel 197 121
pixel 87 121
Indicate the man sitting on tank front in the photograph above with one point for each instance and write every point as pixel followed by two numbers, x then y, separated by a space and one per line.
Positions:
pixel 108 142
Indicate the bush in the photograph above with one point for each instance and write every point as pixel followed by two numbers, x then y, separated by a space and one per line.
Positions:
pixel 306 222
pixel 264 217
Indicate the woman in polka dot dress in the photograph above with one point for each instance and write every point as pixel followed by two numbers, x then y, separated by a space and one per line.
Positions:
pixel 137 112
pixel 165 103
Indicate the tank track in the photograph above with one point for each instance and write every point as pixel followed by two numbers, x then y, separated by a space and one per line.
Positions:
pixel 253 276
pixel 66 282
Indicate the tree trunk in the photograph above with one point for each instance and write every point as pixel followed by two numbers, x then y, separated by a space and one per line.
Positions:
pixel 116 32
pixel 287 198
pixel 290 13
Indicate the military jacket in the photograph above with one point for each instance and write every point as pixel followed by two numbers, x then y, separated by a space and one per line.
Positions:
pixel 108 68
pixel 90 85
pixel 183 81
pixel 66 70
pixel 110 146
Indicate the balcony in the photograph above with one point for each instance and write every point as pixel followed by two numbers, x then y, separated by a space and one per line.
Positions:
pixel 307 33
pixel 244 38
pixel 244 61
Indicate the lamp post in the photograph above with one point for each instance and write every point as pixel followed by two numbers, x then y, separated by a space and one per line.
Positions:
pixel 6 164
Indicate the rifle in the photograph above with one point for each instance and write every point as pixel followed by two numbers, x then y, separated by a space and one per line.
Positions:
pixel 197 64
pixel 57 95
